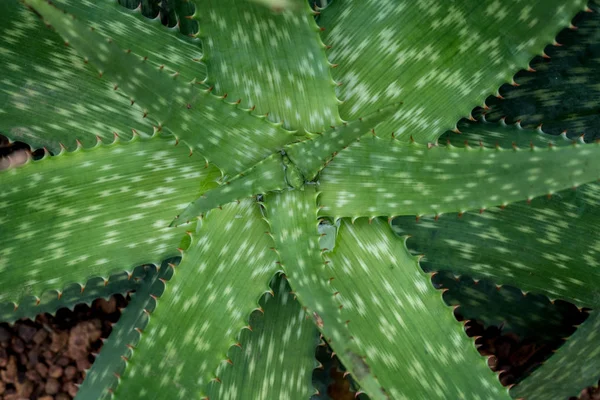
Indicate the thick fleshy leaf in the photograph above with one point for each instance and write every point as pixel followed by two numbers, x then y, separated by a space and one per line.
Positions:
pixel 72 295
pixel 49 95
pixel 90 212
pixel 376 307
pixel 413 179
pixel 563 92
pixel 547 246
pixel 273 60
pixel 526 315
pixel 103 377
pixel 265 176
pixel 205 306
pixel 276 359
pixel 441 59
pixel 575 366
pixel 162 46
pixel 231 138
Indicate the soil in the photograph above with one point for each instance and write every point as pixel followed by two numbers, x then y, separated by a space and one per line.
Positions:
pixel 47 358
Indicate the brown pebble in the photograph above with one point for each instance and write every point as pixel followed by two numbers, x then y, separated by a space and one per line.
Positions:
pixel 42 369
pixel 70 388
pixel 63 361
pixel 48 355
pixel 2 387
pixel 83 364
pixel 63 396
pixel 70 372
pixel 33 356
pixel 46 398
pixel 40 336
pixel 52 386
pixel 109 306
pixel 3 357
pixel 25 389
pixel 32 375
pixel 5 334
pixel 59 341
pixel 10 374
pixel 26 332
pixel 55 371
pixel 18 345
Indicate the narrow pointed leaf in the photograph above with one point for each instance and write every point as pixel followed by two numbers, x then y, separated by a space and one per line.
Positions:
pixel 312 155
pixel 265 176
pixel 118 348
pixel 540 247
pixel 204 308
pixel 563 91
pixel 231 138
pixel 271 59
pixel 162 46
pixel 276 359
pixel 92 212
pixel 575 366
pixel 49 95
pixel 368 296
pixel 413 179
pixel 440 59
pixel 72 295
pixel 527 315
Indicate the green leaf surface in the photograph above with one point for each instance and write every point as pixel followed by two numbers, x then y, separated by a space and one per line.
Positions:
pixel 574 366
pixel 184 10
pixel 311 156
pixel 271 59
pixel 377 308
pixel 205 306
pixel 265 176
pixel 103 377
pixel 49 96
pixel 413 179
pixel 563 92
pixel 231 138
pixel 72 295
pixel 441 59
pixel 162 46
pixel 526 315
pixel 277 358
pixel 94 211
pixel 547 246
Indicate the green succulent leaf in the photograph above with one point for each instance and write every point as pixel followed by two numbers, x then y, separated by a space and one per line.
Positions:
pixel 206 304
pixel 174 106
pixel 163 47
pixel 120 345
pixel 49 96
pixel 368 292
pixel 574 366
pixel 414 179
pixel 530 315
pixel 271 60
pixel 276 359
pixel 68 297
pixel 265 176
pixel 184 10
pixel 562 92
pixel 94 211
pixel 441 59
pixel 539 247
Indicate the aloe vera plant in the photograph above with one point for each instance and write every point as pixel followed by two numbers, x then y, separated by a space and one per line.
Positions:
pixel 298 169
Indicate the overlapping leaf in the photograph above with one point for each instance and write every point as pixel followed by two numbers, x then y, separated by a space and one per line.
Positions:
pixel 205 306
pixel 271 59
pixel 94 211
pixel 386 177
pixel 441 59
pixel 376 307
pixel 575 365
pixel 562 93
pixel 230 137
